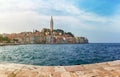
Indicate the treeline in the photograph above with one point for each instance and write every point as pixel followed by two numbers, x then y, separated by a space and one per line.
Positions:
pixel 4 39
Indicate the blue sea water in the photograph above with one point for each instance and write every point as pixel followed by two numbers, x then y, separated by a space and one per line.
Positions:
pixel 60 54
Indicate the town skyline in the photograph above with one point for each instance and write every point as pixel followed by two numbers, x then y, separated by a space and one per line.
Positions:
pixel 96 20
pixel 44 36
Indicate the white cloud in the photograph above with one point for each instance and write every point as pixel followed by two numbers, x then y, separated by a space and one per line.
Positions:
pixel 19 12
pixel 25 15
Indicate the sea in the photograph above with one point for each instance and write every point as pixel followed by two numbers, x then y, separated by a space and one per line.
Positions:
pixel 60 54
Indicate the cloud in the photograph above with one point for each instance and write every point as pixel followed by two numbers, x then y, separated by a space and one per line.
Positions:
pixel 26 15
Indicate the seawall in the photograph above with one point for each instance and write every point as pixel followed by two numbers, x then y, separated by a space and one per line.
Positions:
pixel 105 69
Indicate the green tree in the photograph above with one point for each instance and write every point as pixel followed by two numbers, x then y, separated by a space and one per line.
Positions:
pixel 16 40
pixel 70 34
pixel 1 39
pixel 6 39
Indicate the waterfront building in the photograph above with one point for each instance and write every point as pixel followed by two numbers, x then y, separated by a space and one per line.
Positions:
pixel 59 40
pixel 77 40
pixel 81 40
pixel 71 40
pixel 42 38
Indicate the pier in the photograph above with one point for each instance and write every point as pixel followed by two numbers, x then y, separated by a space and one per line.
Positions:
pixel 105 69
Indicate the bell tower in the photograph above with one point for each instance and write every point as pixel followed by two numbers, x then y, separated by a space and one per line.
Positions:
pixel 51 29
pixel 51 24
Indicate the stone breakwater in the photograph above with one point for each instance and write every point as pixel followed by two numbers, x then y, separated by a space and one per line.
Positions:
pixel 106 69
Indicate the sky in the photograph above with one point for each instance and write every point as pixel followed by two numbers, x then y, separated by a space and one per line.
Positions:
pixel 98 20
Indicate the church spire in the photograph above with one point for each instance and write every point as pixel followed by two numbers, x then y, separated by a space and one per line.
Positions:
pixel 51 24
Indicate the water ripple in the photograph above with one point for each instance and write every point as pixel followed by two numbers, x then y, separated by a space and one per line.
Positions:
pixel 60 54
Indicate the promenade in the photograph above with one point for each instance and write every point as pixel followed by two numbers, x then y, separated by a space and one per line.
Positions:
pixel 106 69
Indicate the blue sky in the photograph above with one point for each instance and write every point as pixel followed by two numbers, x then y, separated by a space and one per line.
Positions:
pixel 101 7
pixel 98 20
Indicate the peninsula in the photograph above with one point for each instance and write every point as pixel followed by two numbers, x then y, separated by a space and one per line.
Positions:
pixel 45 36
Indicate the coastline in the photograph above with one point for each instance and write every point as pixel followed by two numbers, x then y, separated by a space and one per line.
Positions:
pixel 7 44
pixel 4 44
pixel 105 69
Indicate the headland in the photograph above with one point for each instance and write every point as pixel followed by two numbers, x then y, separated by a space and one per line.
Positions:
pixel 45 36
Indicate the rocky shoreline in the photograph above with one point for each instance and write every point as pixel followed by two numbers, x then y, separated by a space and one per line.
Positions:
pixel 5 44
pixel 106 69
